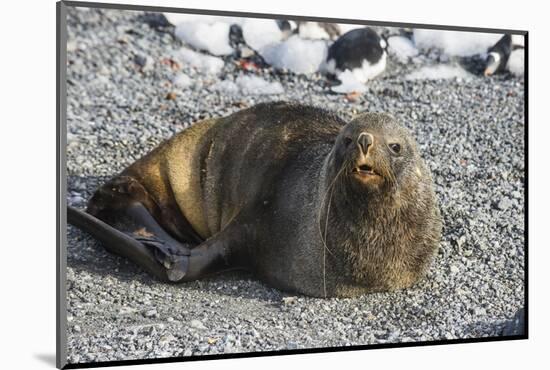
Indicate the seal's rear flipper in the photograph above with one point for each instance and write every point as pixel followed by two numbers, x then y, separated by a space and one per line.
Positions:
pixel 160 255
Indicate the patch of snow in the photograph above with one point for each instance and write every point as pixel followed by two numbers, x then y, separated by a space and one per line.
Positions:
pixel 518 40
pixel 226 86
pixel 455 43
pixel 438 72
pixel 345 27
pixel 312 30
pixel 258 33
pixel 516 62
pixel 202 62
pixel 350 83
pixel 402 48
pixel 177 18
pixel 212 37
pixel 296 54
pixel 249 85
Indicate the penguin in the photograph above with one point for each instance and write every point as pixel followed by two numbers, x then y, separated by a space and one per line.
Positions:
pixel 361 51
pixel 236 37
pixel 498 54
pixel 287 27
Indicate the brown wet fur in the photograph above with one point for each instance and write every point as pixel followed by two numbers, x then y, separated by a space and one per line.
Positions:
pixel 256 187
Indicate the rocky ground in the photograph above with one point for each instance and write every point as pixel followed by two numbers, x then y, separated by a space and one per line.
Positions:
pixel 122 101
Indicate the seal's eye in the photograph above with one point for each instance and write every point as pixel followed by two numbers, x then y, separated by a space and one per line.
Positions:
pixel 347 141
pixel 395 147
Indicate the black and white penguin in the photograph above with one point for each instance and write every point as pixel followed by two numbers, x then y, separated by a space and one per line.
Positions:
pixel 361 51
pixel 287 27
pixel 499 54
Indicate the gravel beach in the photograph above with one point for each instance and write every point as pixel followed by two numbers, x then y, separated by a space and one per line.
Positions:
pixel 125 95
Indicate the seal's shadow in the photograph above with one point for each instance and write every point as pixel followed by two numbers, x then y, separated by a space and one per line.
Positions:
pixel 86 254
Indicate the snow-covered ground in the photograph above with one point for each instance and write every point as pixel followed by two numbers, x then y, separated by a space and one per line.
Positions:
pixel 455 43
pixel 296 54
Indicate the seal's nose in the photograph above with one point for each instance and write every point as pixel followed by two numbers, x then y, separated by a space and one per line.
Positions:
pixel 364 141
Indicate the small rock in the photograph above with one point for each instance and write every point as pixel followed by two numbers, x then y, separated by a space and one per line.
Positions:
pixel 144 62
pixel 165 339
pixel 478 311
pixel 504 204
pixel 289 300
pixel 353 96
pixel 150 313
pixel 182 81
pixel 171 96
pixel 125 310
pixel 228 348
pixel 292 345
pixel 197 324
pixel 71 46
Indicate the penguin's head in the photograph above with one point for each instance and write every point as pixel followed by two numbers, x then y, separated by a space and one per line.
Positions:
pixel 492 64
pixel 288 28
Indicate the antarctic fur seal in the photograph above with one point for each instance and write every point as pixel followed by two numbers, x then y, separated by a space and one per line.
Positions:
pixel 307 202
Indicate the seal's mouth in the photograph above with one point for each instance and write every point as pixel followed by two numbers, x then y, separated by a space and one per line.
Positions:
pixel 367 175
pixel 364 171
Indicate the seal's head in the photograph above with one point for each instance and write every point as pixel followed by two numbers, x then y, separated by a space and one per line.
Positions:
pixel 381 214
pixel 375 153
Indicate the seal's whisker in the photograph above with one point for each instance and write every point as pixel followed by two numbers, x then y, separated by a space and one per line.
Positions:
pixel 324 235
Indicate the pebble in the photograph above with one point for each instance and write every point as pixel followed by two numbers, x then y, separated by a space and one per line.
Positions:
pixel 150 313
pixel 197 325
pixel 504 204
